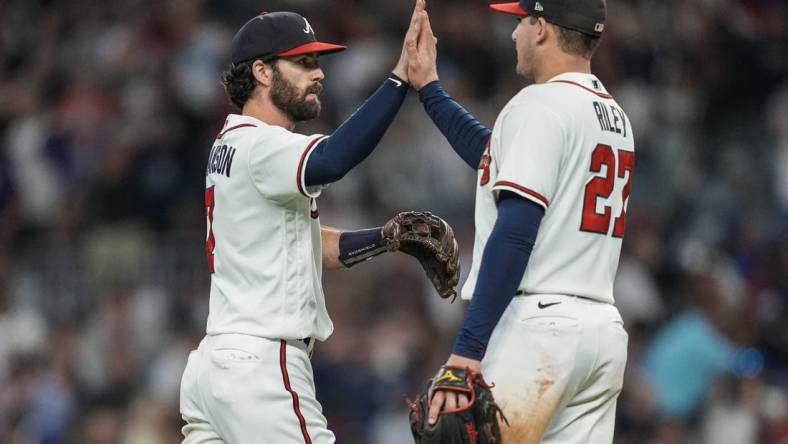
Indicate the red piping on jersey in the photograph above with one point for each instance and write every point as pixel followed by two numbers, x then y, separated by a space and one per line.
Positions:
pixel 301 164
pixel 532 193
pixel 286 379
pixel 600 94
pixel 234 127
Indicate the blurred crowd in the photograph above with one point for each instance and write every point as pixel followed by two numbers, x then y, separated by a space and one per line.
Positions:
pixel 108 111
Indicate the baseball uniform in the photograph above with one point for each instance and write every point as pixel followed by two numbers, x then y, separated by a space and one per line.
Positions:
pixel 553 186
pixel 557 354
pixel 250 379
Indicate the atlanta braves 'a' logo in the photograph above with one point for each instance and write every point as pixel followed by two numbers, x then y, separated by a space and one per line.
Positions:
pixel 308 29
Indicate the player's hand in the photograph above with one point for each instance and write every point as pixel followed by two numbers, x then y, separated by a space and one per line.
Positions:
pixel 401 70
pixel 443 400
pixel 422 55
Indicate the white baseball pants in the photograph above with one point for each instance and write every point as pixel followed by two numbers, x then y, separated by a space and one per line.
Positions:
pixel 557 369
pixel 240 389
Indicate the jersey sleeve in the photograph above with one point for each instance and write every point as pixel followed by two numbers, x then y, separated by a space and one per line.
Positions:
pixel 530 153
pixel 277 165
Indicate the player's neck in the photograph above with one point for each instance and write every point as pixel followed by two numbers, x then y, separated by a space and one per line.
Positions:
pixel 560 65
pixel 267 112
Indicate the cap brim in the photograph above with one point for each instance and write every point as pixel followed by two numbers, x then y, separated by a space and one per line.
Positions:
pixel 312 47
pixel 510 8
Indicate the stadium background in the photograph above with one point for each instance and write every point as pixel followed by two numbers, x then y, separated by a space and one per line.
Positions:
pixel 107 113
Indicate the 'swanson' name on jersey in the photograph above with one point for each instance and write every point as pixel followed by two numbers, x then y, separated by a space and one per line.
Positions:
pixel 221 160
pixel 611 118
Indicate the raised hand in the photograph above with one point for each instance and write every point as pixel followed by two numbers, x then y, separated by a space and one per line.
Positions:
pixel 422 54
pixel 401 70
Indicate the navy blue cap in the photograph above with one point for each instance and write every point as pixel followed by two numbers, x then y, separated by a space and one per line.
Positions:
pixel 277 34
pixel 586 16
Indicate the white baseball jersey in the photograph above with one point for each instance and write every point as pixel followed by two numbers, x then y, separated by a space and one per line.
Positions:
pixel 568 146
pixel 263 242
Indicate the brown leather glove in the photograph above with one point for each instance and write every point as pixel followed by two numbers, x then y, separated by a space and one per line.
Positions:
pixel 429 239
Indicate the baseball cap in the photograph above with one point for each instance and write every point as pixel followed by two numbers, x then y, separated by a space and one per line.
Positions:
pixel 586 16
pixel 277 34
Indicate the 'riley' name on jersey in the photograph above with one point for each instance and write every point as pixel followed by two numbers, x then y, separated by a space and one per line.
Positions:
pixel 611 118
pixel 220 160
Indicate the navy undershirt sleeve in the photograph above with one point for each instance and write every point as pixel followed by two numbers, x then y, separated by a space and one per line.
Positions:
pixel 466 135
pixel 355 139
pixel 361 245
pixel 503 264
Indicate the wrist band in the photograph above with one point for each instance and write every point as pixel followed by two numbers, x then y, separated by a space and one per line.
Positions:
pixel 359 246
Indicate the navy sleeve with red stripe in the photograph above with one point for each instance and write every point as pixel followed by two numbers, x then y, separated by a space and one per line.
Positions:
pixel 466 135
pixel 504 261
pixel 355 139
pixel 538 196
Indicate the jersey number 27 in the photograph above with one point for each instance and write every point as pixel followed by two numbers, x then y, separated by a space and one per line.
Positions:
pixel 602 186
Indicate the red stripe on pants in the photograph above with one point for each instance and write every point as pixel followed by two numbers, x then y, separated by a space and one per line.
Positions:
pixel 286 380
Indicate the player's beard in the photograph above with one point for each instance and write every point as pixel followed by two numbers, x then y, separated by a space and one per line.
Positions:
pixel 293 102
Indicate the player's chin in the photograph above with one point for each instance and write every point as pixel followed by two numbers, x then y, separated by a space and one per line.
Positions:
pixel 308 110
pixel 313 105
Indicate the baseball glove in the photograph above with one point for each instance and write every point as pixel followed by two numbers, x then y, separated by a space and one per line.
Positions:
pixel 429 239
pixel 476 423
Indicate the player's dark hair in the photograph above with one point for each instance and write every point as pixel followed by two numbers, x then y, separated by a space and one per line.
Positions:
pixel 239 82
pixel 576 43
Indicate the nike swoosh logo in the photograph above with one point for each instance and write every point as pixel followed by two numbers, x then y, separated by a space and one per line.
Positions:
pixel 396 82
pixel 541 305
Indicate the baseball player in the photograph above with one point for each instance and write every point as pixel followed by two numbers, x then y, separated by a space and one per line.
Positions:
pixel 554 179
pixel 250 380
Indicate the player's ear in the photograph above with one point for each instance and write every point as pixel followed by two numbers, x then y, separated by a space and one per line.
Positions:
pixel 263 72
pixel 541 30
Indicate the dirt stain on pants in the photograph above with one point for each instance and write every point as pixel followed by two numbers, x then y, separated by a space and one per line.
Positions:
pixel 529 416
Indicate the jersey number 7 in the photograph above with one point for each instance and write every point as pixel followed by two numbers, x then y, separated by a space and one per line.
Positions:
pixel 602 186
pixel 210 241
